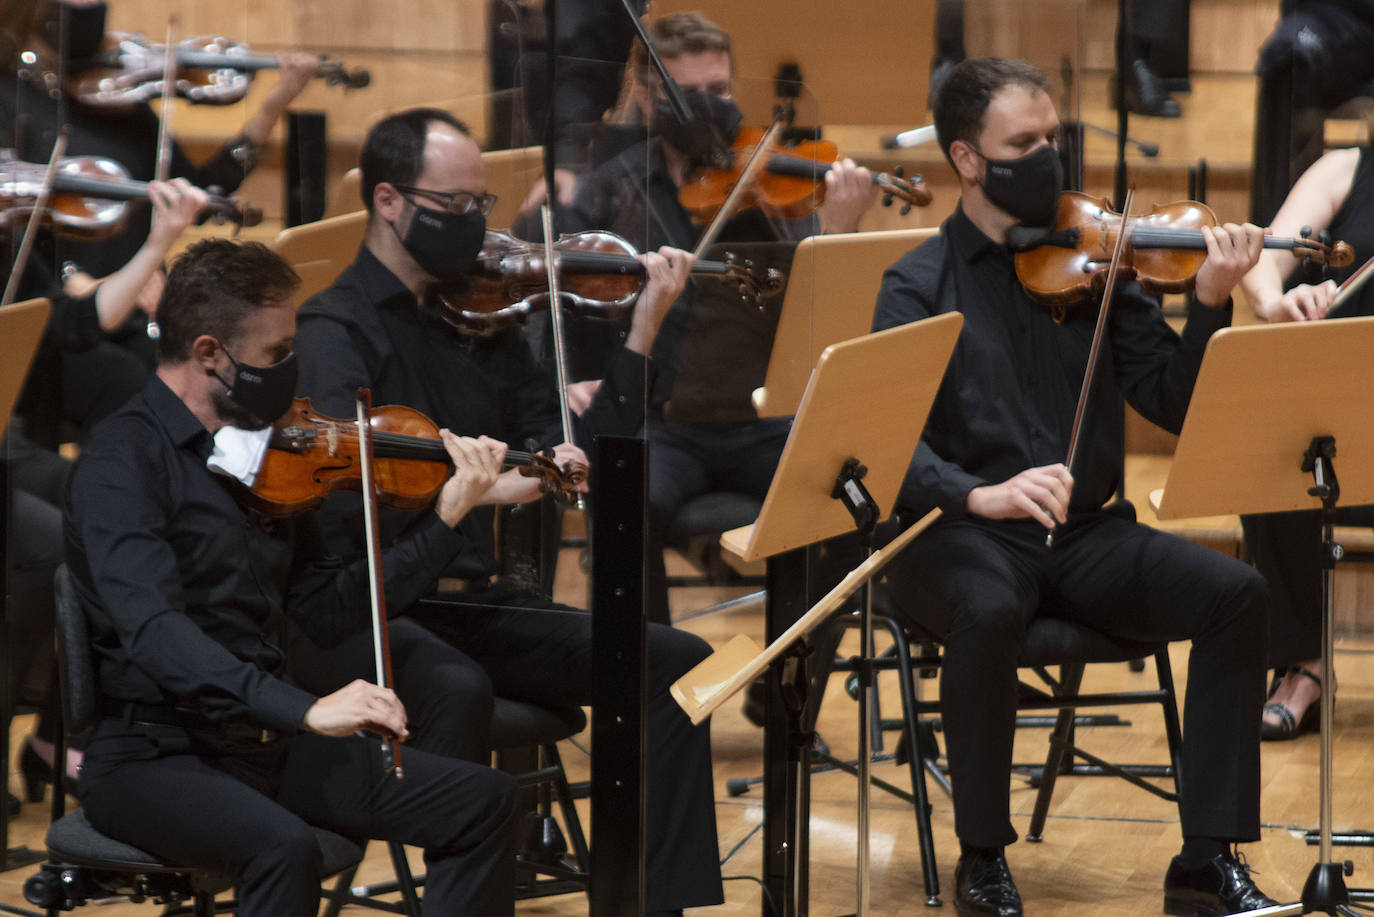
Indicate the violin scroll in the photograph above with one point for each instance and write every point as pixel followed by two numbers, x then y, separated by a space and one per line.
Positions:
pixel 334 73
pixel 753 286
pixel 913 191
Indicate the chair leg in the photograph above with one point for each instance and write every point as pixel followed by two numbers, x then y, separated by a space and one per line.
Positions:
pixel 406 882
pixel 916 765
pixel 571 822
pixel 341 887
pixel 1173 732
pixel 1060 740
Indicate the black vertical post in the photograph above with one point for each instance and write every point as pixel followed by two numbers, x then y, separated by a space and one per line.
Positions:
pixel 305 168
pixel 620 483
pixel 785 782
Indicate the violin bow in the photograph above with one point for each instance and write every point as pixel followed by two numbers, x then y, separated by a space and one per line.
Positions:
pixel 381 643
pixel 1099 333
pixel 560 357
pixel 40 206
pixel 162 168
pixel 1351 285
pixel 746 178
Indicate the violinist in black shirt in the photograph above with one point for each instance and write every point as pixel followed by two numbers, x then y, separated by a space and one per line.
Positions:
pixel 992 458
pixel 206 755
pixel 480 635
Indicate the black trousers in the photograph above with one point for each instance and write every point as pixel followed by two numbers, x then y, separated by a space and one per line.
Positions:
pixel 37 479
pixel 449 658
pixel 688 460
pixel 1286 549
pixel 243 809
pixel 977 584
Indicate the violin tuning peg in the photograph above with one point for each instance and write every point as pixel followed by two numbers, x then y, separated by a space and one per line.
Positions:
pixel 1305 232
pixel 887 200
pixel 906 209
pixel 899 171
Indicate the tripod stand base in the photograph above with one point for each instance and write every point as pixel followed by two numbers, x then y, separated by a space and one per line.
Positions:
pixel 1324 892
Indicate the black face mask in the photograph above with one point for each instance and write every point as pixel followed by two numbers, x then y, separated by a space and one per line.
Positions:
pixel 75 32
pixel 264 393
pixel 1027 188
pixel 444 244
pixel 708 134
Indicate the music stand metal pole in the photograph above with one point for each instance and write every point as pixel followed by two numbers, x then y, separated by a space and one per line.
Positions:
pixel 1324 891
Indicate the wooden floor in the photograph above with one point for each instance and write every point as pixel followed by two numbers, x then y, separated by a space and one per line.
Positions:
pixel 1106 845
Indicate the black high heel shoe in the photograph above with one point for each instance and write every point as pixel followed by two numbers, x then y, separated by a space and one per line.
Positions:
pixel 36 772
pixel 1288 726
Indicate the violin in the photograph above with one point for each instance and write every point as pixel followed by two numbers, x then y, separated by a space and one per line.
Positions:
pixel 90 196
pixel 310 455
pixel 791 183
pixel 1164 248
pixel 211 70
pixel 599 276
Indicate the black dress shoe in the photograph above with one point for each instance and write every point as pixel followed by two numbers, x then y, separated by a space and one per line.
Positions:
pixel 12 804
pixel 1220 886
pixel 1145 94
pixel 983 886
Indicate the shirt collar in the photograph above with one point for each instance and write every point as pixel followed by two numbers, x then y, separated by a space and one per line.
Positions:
pixel 380 285
pixel 183 427
pixel 969 241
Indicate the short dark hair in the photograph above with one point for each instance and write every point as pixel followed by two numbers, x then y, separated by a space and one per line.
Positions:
pixel 212 288
pixel 961 104
pixel 394 150
pixel 676 35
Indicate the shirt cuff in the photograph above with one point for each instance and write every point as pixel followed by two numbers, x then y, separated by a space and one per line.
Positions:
pixel 1204 321
pixel 282 706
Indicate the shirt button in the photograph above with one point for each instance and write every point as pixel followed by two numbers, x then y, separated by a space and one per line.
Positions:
pixel 620 398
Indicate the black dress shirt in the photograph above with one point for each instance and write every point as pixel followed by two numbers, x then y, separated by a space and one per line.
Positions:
pixel 183 590
pixel 1009 394
pixel 368 331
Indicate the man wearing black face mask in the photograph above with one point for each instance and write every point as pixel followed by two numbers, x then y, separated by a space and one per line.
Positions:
pixel 206 753
pixel 476 635
pixel 722 446
pixel 991 458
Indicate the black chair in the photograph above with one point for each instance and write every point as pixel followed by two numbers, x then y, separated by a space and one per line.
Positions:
pixel 694 528
pixel 1050 642
pixel 84 864
pixel 550 860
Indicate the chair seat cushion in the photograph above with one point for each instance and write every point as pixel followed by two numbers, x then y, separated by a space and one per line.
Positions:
pixel 710 514
pixel 515 723
pixel 1051 641
pixel 72 840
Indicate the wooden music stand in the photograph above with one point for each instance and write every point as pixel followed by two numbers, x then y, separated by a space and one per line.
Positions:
pixel 21 329
pixel 843 272
pixel 1271 406
pixel 866 403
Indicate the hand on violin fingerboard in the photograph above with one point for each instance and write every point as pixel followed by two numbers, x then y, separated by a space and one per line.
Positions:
pixel 667 270
pixel 476 469
pixel 1232 250
pixel 1041 494
pixel 359 706
pixel 849 193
